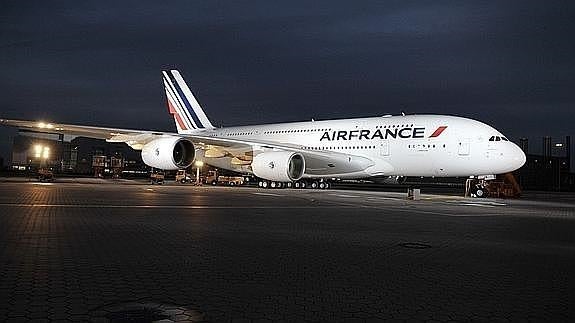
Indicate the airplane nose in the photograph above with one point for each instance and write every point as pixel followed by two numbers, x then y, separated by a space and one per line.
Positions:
pixel 518 157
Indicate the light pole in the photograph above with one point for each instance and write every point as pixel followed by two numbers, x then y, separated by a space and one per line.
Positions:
pixel 199 165
pixel 559 146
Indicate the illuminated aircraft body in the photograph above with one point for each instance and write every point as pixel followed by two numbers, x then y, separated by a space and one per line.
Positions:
pixel 410 145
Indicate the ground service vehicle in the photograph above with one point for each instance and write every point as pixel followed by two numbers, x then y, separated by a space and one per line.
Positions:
pixel 157 177
pixel 45 174
pixel 183 177
pixel 214 179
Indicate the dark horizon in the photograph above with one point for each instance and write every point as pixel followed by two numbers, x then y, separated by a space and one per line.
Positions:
pixel 509 64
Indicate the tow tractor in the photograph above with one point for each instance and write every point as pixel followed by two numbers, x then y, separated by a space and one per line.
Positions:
pixel 499 186
pixel 183 177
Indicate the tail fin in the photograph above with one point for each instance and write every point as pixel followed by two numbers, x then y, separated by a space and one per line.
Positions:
pixel 182 104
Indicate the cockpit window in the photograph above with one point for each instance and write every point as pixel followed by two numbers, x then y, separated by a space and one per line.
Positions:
pixel 498 138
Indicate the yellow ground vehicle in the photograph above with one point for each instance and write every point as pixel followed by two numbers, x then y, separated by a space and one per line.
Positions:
pixel 214 179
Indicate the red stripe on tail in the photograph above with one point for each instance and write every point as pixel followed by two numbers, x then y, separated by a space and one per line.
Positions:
pixel 176 116
pixel 180 122
pixel 171 107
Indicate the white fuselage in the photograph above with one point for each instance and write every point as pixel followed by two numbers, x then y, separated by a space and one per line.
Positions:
pixel 413 145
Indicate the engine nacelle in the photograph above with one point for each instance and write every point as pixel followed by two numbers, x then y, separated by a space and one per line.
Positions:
pixel 279 166
pixel 169 153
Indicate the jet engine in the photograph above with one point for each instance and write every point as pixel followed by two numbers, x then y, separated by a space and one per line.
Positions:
pixel 279 166
pixel 169 153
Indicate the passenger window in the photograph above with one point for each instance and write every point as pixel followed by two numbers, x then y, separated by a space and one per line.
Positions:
pixel 504 139
pixel 497 138
pixel 492 138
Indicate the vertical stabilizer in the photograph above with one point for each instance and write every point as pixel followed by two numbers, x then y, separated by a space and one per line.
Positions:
pixel 182 105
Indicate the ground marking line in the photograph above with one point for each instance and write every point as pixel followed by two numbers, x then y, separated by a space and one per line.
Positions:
pixel 164 206
pixel 477 204
pixel 343 195
pixel 266 194
pixel 411 210
pixel 385 198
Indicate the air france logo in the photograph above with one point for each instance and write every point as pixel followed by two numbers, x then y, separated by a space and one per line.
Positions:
pixel 366 134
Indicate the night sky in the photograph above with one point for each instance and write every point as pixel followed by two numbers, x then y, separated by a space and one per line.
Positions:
pixel 510 64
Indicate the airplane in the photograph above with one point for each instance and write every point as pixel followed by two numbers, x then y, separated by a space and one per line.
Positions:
pixel 311 152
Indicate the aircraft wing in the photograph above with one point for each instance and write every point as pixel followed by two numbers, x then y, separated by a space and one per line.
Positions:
pixel 318 163
pixel 134 138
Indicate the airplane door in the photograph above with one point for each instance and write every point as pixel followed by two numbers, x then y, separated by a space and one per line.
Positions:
pixel 384 148
pixel 464 147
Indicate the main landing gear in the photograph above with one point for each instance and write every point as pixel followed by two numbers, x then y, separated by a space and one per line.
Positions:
pixel 316 184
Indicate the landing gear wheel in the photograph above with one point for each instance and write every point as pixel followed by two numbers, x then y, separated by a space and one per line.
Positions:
pixel 480 192
pixel 314 185
pixel 289 184
pixel 265 184
pixel 322 185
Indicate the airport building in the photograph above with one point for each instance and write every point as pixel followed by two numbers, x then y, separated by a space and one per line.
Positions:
pixel 81 155
pixel 32 150
pixel 550 170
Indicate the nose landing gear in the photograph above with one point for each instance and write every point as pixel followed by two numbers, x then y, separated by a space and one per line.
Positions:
pixel 500 186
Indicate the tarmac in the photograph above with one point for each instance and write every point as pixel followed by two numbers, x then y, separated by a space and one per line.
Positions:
pixel 136 253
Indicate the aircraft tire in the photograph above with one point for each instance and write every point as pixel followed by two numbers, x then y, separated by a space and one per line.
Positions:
pixel 480 192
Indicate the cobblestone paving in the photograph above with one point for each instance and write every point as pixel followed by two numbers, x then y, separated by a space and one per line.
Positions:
pixel 80 252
